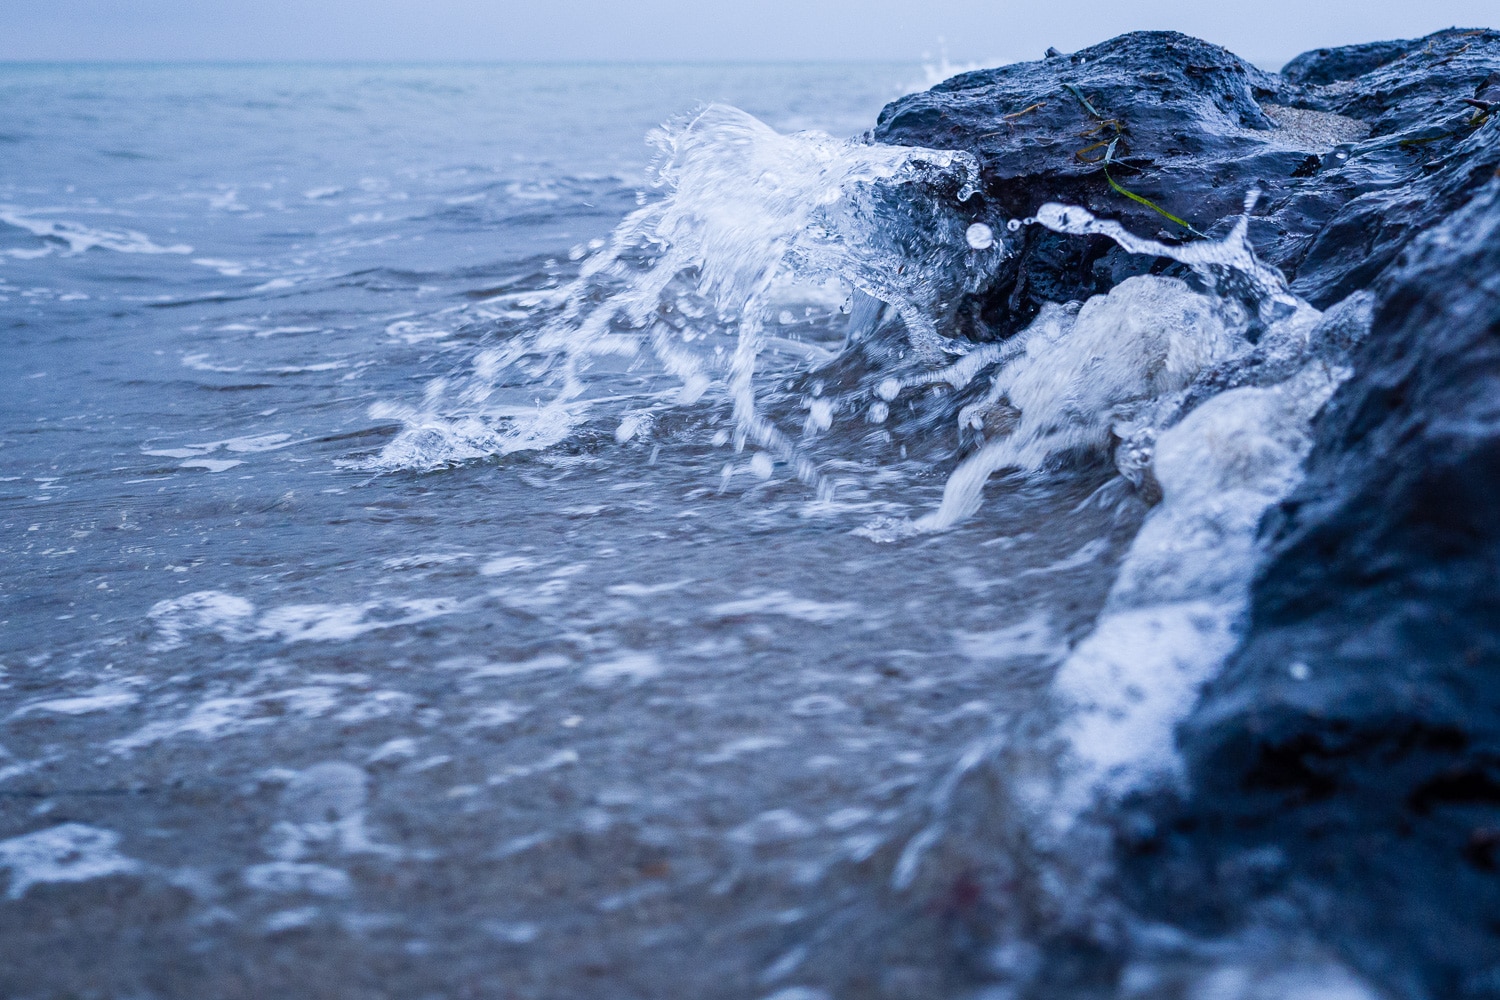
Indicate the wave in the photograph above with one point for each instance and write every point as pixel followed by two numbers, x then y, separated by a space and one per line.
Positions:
pixel 687 307
pixel 752 226
pixel 79 238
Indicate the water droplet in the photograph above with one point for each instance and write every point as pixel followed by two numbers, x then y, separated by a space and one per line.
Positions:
pixel 820 415
pixel 980 236
pixel 761 465
pixel 888 389
pixel 1014 225
pixel 878 412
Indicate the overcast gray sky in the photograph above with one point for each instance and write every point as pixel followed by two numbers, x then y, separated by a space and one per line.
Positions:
pixel 1266 31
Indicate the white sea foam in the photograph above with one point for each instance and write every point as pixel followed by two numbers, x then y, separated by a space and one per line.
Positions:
pixel 788 605
pixel 323 809
pixel 1073 377
pixel 234 618
pixel 298 877
pixel 336 622
pixel 1179 602
pixel 80 238
pixel 1178 605
pixel 100 700
pixel 222 715
pixel 630 667
pixel 202 611
pixel 1032 636
pixel 71 852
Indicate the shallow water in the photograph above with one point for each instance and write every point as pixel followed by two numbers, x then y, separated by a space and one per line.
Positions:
pixel 329 667
pixel 590 714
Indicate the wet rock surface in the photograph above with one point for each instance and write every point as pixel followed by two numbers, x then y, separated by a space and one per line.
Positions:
pixel 1354 742
pixel 1344 769
pixel 1356 150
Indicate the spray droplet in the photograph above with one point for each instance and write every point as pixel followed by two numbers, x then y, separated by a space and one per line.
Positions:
pixel 761 465
pixel 889 389
pixel 980 236
pixel 878 412
pixel 1014 225
pixel 819 415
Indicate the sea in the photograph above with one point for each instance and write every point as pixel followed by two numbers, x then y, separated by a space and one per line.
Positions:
pixel 524 531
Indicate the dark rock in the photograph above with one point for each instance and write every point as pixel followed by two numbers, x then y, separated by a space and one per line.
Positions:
pixel 1427 152
pixel 1347 759
pixel 1377 774
pixel 1357 151
pixel 1321 67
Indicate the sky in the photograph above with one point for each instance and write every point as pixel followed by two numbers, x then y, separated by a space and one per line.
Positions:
pixel 988 32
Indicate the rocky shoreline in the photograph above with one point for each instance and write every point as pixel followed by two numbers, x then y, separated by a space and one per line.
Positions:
pixel 1346 761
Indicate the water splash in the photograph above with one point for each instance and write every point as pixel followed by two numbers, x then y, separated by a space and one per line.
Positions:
pixel 1220 426
pixel 1178 605
pixel 750 219
pixel 1073 377
pixel 1228 265
pixel 1075 381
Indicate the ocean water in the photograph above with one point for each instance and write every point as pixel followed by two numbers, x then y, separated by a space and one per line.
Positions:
pixel 451 545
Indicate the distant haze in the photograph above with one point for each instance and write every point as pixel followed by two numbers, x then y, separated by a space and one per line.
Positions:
pixel 1265 31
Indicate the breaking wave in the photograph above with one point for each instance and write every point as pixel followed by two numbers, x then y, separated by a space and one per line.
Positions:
pixel 698 283
pixel 865 249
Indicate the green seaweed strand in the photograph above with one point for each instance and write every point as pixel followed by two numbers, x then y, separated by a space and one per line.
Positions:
pixel 1083 100
pixel 1108 155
